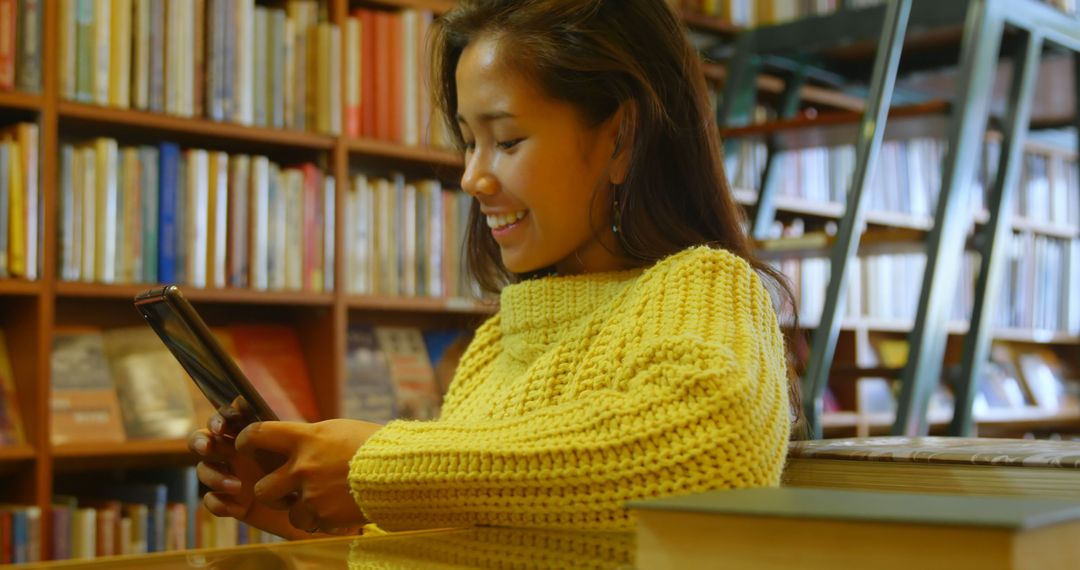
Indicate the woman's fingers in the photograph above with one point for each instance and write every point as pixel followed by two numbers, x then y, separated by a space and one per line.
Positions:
pixel 218 479
pixel 278 490
pixel 222 506
pixel 209 447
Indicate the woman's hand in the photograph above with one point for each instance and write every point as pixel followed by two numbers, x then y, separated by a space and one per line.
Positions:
pixel 312 485
pixel 230 476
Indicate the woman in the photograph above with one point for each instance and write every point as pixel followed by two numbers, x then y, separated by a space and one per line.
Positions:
pixel 636 352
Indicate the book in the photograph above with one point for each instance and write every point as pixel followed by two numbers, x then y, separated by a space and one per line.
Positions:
pixel 789 527
pixel 965 466
pixel 83 403
pixel 11 429
pixel 369 391
pixel 157 399
pixel 411 371
pixel 272 359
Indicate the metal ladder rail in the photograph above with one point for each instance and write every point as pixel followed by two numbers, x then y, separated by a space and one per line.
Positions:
pixel 868 144
pixel 1036 23
pixel 945 244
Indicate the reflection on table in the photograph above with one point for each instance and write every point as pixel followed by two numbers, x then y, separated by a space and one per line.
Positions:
pixel 481 547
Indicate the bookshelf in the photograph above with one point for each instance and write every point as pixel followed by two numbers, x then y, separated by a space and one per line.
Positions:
pixel 840 46
pixel 31 311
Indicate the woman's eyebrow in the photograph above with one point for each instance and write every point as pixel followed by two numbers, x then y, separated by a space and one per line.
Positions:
pixel 488 117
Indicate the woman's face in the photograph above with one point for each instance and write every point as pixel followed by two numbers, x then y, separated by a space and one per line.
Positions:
pixel 537 170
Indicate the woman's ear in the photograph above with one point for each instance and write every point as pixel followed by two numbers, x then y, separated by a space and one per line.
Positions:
pixel 624 121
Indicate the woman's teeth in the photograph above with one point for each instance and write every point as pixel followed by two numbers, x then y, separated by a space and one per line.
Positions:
pixel 502 220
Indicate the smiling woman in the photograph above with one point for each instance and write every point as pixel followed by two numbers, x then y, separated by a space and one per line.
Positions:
pixel 636 352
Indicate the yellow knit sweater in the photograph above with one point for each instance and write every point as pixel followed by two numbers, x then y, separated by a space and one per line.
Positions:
pixel 587 391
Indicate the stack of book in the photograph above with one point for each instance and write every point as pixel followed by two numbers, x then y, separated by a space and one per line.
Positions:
pixel 20 45
pixel 20 202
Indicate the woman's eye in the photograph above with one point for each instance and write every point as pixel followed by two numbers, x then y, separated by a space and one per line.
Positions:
pixel 507 145
pixel 470 146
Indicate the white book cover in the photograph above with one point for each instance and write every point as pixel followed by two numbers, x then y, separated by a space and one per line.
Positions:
pixel 88 190
pixel 259 203
pixel 335 80
pixel 329 232
pixel 198 180
pixel 243 56
pixel 408 243
pixel 260 70
pixel 67 213
pixel 353 31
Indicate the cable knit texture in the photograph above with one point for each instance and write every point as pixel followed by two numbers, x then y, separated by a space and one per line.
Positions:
pixel 587 391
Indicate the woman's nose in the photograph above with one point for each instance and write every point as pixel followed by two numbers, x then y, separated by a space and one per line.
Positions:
pixel 477 180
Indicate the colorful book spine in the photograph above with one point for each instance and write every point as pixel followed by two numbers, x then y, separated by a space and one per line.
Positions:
pixel 168 236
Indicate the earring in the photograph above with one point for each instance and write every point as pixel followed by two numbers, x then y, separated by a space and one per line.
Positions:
pixel 616 217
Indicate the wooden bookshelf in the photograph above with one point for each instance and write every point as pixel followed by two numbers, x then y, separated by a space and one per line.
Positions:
pixel 832 128
pixel 33 310
pixel 14 453
pixel 166 126
pixel 124 449
pixel 232 296
pixel 811 94
pixel 380 303
pixel 820 244
pixel 19 287
pixel 359 147
pixel 132 454
pixel 22 101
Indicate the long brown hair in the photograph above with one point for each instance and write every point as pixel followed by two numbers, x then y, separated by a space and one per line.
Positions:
pixel 598 55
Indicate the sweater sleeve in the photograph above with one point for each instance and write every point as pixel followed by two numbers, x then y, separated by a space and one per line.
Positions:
pixel 683 414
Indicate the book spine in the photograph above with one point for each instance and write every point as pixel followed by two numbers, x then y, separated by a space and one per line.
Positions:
pixel 410 77
pixel 140 62
pixel 259 204
pixel 87 196
pixel 156 68
pixel 167 230
pixel 67 214
pixel 29 65
pixel 28 137
pixel 8 24
pixel 221 212
pixel 353 31
pixel 329 232
pixel 5 215
pixel 120 54
pixel 16 211
pixel 238 229
pixel 102 50
pixel 370 33
pixel 148 185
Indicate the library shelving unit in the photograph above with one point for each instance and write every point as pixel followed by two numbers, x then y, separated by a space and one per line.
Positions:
pixel 31 311
pixel 964 38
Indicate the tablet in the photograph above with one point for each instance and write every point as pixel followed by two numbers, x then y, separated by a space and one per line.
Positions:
pixel 198 351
